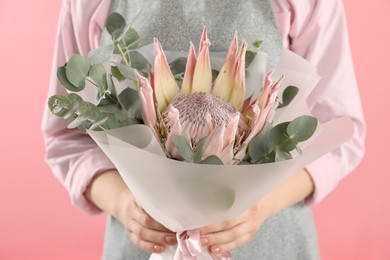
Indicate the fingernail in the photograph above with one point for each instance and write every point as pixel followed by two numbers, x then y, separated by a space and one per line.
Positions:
pixel 204 241
pixel 171 240
pixel 158 249
pixel 215 250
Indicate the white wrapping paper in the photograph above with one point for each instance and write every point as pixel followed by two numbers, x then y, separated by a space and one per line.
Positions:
pixel 184 196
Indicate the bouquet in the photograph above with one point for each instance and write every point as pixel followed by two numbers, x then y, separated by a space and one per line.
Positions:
pixel 201 146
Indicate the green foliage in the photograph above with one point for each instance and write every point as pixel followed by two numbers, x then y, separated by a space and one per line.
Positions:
pixel 274 144
pixel 111 110
pixel 186 151
pixel 288 95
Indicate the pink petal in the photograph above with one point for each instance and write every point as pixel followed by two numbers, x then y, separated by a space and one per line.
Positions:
pixel 214 143
pixel 165 84
pixel 223 84
pixel 227 154
pixel 238 92
pixel 266 90
pixel 147 101
pixel 203 40
pixel 189 73
pixel 231 129
pixel 175 130
pixel 202 74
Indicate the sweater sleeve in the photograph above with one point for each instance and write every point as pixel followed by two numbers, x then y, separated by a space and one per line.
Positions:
pixel 72 155
pixel 317 31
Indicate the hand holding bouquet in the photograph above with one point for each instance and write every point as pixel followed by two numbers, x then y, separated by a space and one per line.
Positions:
pixel 205 151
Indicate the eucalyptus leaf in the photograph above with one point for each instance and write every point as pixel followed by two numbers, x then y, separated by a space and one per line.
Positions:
pixel 126 71
pixel 117 74
pixel 59 105
pixel 199 150
pixel 302 128
pixel 98 124
pixel 129 100
pixel 249 57
pixel 138 61
pixel 100 55
pixel 78 121
pixel 130 40
pixel 260 146
pixel 281 155
pixel 178 66
pixel 61 76
pixel 115 22
pixel 288 95
pixel 184 148
pixel 110 84
pixel 280 138
pixel 212 160
pixel 77 70
pixel 98 75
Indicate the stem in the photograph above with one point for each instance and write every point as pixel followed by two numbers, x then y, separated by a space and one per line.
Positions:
pixel 118 46
pixel 90 81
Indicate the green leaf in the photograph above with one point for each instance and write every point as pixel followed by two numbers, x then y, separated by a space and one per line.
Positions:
pixel 302 128
pixel 213 160
pixel 214 74
pixel 280 138
pixel 183 147
pixel 199 150
pixel 77 70
pixel 100 55
pixel 260 146
pixel 288 95
pixel 138 61
pixel 117 74
pixel 127 71
pixel 249 57
pixel 281 155
pixel 129 40
pixel 110 84
pixel 98 75
pixel 115 22
pixel 129 100
pixel 59 105
pixel 178 66
pixel 61 76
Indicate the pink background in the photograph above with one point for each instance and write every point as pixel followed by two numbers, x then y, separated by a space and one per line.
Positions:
pixel 36 218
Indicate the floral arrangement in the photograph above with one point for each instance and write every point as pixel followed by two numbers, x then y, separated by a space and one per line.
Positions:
pixel 203 121
pixel 215 152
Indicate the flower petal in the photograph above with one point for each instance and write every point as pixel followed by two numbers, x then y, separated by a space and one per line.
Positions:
pixel 224 82
pixel 231 129
pixel 238 91
pixel 175 129
pixel 147 101
pixel 189 73
pixel 165 84
pixel 227 154
pixel 214 143
pixel 202 74
pixel 264 94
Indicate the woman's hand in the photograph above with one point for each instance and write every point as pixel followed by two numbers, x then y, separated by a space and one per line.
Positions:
pixel 226 236
pixel 145 232
pixel 231 234
pixel 108 192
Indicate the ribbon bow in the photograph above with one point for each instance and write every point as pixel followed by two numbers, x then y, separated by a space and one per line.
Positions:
pixel 190 248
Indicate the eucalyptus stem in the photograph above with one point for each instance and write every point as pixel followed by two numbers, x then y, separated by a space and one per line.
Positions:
pixel 118 46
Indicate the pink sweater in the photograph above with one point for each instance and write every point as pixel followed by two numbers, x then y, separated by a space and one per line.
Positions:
pixel 314 29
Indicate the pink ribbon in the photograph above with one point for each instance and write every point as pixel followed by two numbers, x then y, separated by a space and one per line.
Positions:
pixel 190 247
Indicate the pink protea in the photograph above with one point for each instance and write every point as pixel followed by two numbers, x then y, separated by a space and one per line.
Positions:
pixel 202 108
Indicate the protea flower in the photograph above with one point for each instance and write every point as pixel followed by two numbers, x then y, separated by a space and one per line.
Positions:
pixel 201 108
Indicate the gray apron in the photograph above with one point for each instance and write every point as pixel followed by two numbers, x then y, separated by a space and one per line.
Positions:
pixel 291 233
